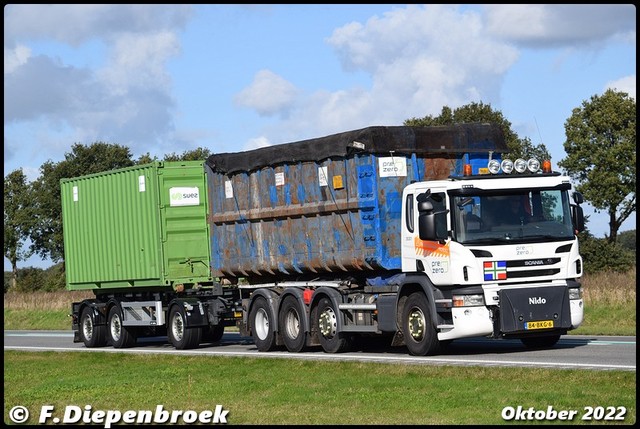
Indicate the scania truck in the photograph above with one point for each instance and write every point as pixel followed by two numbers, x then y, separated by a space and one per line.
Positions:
pixel 422 235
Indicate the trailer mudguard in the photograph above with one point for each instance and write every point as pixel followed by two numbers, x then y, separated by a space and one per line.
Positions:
pixel 98 315
pixel 195 315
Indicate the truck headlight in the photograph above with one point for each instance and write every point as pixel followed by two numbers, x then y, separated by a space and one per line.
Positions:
pixel 468 300
pixel 575 293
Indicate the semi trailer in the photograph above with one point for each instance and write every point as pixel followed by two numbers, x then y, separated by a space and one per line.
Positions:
pixel 423 235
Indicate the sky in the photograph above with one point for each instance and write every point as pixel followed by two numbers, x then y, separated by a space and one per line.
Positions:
pixel 164 79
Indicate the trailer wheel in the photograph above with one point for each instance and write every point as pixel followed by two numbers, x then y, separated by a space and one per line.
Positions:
pixel 540 342
pixel 119 336
pixel 260 319
pixel 213 334
pixel 419 333
pixel 181 336
pixel 292 325
pixel 92 335
pixel 331 340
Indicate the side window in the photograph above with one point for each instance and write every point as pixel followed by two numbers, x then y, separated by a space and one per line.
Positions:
pixel 409 212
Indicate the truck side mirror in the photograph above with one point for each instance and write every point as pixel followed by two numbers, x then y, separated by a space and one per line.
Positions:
pixel 577 217
pixel 578 198
pixel 431 223
pixel 425 206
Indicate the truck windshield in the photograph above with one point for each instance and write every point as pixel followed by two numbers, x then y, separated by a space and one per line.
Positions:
pixel 518 216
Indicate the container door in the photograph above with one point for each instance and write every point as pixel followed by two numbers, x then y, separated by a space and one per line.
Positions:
pixel 185 234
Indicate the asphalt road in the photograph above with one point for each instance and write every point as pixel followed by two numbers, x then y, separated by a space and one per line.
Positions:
pixel 571 352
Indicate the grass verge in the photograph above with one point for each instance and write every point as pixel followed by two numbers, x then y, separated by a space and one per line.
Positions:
pixel 274 391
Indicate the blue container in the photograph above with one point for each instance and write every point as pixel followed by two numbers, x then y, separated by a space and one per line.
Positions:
pixel 332 205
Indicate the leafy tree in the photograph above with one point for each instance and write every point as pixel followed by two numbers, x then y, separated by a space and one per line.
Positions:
pixel 18 218
pixel 199 154
pixel 601 155
pixel 480 112
pixel 602 255
pixel 627 240
pixel 47 232
pixel 146 159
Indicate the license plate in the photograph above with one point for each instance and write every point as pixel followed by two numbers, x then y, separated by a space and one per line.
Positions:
pixel 542 324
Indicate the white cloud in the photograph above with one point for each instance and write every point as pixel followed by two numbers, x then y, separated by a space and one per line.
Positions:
pixel 420 58
pixel 256 143
pixel 76 24
pixel 625 84
pixel 15 57
pixel 268 94
pixel 128 100
pixel 548 25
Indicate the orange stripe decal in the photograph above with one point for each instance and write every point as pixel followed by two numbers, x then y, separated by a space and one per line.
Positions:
pixel 431 248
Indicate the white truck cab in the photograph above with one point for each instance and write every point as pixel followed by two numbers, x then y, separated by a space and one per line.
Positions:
pixel 502 250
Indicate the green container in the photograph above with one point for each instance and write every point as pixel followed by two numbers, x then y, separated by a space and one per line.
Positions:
pixel 138 227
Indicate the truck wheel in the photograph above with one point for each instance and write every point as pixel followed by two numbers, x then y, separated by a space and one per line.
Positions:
pixel 91 335
pixel 213 334
pixel 181 336
pixel 331 340
pixel 261 326
pixel 419 333
pixel 291 324
pixel 118 335
pixel 540 342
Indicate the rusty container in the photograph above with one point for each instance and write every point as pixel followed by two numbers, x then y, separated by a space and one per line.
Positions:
pixel 330 206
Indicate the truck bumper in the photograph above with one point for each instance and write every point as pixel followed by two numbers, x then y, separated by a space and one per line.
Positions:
pixel 577 312
pixel 467 322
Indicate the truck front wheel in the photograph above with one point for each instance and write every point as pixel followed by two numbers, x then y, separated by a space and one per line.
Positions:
pixel 331 340
pixel 291 324
pixel 261 326
pixel 419 333
pixel 540 342
pixel 181 336
pixel 91 334
pixel 119 336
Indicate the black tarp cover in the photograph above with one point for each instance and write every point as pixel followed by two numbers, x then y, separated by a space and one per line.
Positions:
pixel 459 138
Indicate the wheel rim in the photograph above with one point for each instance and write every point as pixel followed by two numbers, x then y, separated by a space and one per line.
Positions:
pixel 116 328
pixel 292 324
pixel 261 324
pixel 87 327
pixel 328 323
pixel 177 327
pixel 417 323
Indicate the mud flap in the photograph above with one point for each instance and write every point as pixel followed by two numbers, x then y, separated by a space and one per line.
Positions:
pixel 534 310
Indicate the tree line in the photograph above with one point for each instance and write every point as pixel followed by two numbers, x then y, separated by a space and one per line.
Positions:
pixel 601 160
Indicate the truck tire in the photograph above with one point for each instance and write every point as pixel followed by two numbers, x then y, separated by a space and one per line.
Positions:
pixel 292 324
pixel 181 336
pixel 260 320
pixel 213 334
pixel 331 340
pixel 118 335
pixel 92 335
pixel 420 335
pixel 540 342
